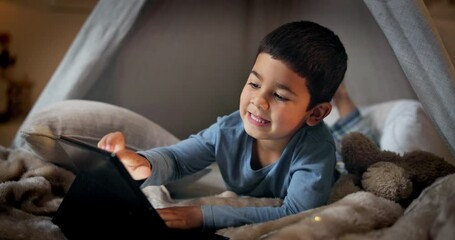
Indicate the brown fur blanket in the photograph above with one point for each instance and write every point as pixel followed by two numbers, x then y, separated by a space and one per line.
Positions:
pixel 31 190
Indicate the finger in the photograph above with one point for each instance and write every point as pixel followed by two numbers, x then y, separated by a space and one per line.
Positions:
pixel 105 142
pixel 181 217
pixel 179 224
pixel 168 214
pixel 171 218
pixel 112 142
pixel 102 143
pixel 115 142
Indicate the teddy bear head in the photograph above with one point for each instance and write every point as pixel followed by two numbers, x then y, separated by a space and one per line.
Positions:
pixel 400 178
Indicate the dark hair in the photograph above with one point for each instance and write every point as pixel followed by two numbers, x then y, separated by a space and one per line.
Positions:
pixel 312 51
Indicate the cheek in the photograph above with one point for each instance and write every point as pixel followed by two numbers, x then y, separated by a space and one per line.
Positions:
pixel 289 117
pixel 244 97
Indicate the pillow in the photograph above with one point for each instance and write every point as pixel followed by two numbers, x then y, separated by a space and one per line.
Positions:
pixel 402 126
pixel 407 128
pixel 88 121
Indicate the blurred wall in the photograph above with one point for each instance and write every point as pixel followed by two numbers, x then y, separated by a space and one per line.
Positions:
pixel 41 32
pixel 443 15
pixel 183 65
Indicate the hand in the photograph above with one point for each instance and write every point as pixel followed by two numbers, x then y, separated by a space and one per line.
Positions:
pixel 182 217
pixel 112 142
pixel 137 166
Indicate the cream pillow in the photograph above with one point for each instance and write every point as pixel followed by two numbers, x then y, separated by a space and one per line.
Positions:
pixel 91 120
pixel 407 128
pixel 402 126
pixel 88 121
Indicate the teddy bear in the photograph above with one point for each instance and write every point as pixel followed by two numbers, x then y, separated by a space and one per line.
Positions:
pixel 400 178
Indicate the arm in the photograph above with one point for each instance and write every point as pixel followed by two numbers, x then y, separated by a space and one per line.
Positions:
pixel 184 158
pixel 140 167
pixel 311 179
pixel 170 163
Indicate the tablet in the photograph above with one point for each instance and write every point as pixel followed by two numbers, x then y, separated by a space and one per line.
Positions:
pixel 104 201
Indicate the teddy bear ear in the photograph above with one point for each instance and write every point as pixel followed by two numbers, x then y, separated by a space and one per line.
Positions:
pixel 358 152
pixel 356 138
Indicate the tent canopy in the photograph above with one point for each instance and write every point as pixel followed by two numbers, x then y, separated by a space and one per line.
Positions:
pixel 183 63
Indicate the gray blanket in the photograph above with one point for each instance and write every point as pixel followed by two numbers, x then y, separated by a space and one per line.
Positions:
pixel 30 192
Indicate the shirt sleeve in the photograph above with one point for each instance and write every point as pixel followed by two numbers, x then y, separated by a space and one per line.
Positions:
pixel 309 187
pixel 184 158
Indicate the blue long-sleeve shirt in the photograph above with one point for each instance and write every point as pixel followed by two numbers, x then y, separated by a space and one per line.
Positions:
pixel 302 177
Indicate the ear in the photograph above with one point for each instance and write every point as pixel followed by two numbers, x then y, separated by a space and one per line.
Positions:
pixel 318 113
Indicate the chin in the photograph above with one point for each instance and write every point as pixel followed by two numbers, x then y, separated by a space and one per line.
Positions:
pixel 248 130
pixel 255 134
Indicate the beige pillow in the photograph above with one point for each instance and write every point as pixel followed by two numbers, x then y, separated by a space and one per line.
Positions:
pixel 407 128
pixel 402 126
pixel 88 121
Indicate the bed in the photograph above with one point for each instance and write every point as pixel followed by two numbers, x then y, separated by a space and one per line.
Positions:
pixel 32 185
pixel 399 72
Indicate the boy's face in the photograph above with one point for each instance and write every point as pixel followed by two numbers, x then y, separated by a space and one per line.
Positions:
pixel 274 100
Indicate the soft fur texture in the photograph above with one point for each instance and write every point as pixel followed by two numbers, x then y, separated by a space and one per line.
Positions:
pixel 430 216
pixel 356 213
pixel 30 192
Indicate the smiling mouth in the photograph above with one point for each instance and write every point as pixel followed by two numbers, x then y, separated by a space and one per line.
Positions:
pixel 257 120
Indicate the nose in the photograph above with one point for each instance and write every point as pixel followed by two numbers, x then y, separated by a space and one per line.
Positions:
pixel 260 102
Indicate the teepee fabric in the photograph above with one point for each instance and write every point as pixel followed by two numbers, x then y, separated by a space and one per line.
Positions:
pixel 423 58
pixel 406 24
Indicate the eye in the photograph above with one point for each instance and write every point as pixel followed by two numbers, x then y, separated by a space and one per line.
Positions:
pixel 280 98
pixel 253 85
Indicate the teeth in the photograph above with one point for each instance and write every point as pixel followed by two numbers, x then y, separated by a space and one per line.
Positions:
pixel 257 119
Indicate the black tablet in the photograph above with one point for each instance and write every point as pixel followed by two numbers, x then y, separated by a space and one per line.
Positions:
pixel 104 201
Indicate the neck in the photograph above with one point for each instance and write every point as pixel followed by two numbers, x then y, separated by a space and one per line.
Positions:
pixel 272 145
pixel 267 152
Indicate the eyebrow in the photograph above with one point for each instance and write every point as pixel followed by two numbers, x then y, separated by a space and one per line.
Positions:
pixel 256 74
pixel 279 85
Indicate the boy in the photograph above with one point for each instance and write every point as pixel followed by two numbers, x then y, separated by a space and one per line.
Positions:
pixel 275 145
